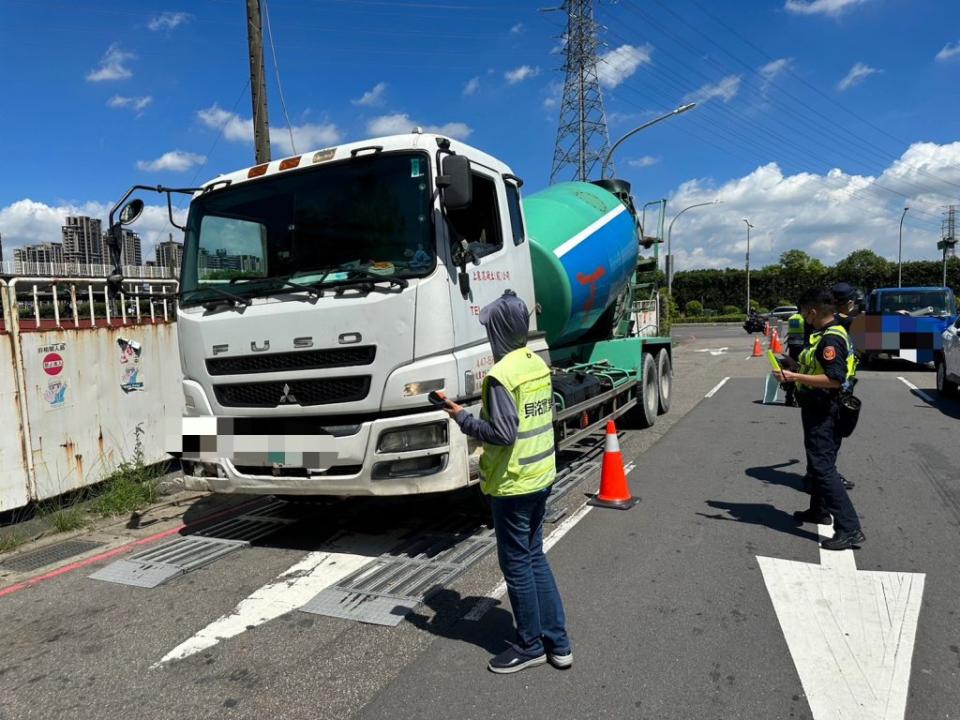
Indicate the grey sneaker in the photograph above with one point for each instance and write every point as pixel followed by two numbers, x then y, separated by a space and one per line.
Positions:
pixel 561 661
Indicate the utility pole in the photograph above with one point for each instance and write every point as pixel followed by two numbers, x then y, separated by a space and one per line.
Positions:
pixel 258 83
pixel 900 250
pixel 949 241
pixel 749 226
pixel 582 138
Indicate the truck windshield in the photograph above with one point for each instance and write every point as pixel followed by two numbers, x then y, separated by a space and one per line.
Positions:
pixel 918 302
pixel 369 216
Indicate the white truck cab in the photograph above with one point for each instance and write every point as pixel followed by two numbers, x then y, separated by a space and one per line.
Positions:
pixel 948 363
pixel 323 296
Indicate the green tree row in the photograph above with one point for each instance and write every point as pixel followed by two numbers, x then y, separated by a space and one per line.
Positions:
pixel 783 283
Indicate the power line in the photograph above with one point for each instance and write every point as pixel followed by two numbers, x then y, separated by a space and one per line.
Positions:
pixel 276 69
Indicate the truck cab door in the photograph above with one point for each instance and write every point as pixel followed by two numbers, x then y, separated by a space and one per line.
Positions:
pixel 951 348
pixel 492 226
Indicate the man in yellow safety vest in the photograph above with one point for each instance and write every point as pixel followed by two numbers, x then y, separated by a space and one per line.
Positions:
pixel 518 468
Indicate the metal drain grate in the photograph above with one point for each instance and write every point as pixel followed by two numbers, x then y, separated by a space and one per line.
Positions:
pixel 48 555
pixel 391 586
pixel 155 566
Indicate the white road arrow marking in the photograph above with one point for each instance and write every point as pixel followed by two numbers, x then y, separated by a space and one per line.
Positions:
pixel 294 588
pixel 850 632
pixel 718 351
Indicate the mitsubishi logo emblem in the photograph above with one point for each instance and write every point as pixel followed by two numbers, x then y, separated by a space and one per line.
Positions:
pixel 287 396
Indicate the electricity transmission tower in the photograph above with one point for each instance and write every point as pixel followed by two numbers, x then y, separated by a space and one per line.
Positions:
pixel 582 139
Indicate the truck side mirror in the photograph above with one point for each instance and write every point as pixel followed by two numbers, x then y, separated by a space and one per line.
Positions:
pixel 131 211
pixel 456 182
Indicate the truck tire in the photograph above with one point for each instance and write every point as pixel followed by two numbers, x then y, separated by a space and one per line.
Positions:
pixel 945 387
pixel 645 413
pixel 664 381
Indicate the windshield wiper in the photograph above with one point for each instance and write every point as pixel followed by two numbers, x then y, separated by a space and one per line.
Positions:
pixel 232 298
pixel 281 282
pixel 364 280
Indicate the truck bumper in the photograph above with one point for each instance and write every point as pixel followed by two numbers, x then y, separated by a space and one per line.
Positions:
pixel 360 467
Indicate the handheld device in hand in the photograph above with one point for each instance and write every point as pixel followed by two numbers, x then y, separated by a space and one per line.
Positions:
pixel 435 399
pixel 774 363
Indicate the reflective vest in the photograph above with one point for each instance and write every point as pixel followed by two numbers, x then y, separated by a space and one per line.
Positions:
pixel 529 464
pixel 795 325
pixel 809 365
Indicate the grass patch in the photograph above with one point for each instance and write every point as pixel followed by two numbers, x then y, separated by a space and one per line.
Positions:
pixel 132 486
pixel 11 541
pixel 67 519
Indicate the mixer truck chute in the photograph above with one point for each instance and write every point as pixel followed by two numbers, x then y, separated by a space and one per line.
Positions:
pixel 324 296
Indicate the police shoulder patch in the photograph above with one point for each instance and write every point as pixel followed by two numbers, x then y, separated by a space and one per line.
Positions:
pixel 829 353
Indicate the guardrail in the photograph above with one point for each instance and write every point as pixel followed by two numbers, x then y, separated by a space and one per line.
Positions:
pixel 13 268
pixel 43 303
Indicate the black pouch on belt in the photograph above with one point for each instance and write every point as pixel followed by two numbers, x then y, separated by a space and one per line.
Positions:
pixel 848 413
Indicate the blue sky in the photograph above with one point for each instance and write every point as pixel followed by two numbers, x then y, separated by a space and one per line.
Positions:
pixel 818 119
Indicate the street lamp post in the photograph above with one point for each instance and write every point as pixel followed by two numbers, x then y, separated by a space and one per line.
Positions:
pixel 749 226
pixel 677 111
pixel 900 250
pixel 669 244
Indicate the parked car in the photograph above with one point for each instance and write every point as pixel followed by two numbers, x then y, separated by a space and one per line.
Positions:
pixel 948 361
pixel 783 312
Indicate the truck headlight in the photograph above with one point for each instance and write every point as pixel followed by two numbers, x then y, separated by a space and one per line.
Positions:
pixel 418 437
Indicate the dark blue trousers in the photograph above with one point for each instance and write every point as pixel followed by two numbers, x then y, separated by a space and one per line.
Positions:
pixel 537 608
pixel 822 443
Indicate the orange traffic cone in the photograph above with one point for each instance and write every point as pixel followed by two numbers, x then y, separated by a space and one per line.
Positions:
pixel 757 348
pixel 614 490
pixel 777 345
pixel 773 338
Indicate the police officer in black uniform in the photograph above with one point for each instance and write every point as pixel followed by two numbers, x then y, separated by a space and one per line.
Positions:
pixel 824 368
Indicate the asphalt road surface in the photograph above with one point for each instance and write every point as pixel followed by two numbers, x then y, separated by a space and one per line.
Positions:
pixel 704 601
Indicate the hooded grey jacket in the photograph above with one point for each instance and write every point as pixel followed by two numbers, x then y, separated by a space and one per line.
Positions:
pixel 506 320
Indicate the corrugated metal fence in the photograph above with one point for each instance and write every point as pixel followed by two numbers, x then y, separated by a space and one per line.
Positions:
pixel 84 372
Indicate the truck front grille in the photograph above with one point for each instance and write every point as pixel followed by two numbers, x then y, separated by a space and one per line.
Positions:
pixel 301 360
pixel 321 391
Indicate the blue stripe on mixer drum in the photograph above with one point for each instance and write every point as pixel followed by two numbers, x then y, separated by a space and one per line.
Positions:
pixel 597 268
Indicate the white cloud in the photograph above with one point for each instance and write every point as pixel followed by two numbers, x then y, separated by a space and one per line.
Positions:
pixel 168 20
pixel 642 162
pixel 472 85
pixel 172 161
pixel 858 73
pixel 112 65
pixel 520 74
pixel 774 69
pixel 622 62
pixel 137 104
pixel 28 222
pixel 372 97
pixel 237 129
pixel 400 123
pixel 948 51
pixel 827 215
pixel 517 29
pixel 820 7
pixel 726 89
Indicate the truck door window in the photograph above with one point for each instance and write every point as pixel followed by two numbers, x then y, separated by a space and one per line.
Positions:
pixel 479 224
pixel 516 217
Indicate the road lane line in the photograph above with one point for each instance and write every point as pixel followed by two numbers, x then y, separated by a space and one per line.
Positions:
pixel 292 589
pixel 917 390
pixel 719 385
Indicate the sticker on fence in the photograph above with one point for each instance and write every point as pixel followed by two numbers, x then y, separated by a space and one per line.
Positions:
pixel 130 378
pixel 51 360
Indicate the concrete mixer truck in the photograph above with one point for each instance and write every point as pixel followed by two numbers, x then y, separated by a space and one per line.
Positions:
pixel 324 296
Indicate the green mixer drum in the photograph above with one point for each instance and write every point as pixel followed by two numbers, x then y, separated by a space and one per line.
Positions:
pixel 584 248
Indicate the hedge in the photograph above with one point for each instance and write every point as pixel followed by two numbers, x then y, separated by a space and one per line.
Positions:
pixel 739 318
